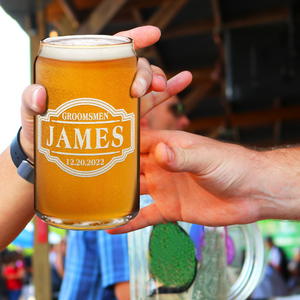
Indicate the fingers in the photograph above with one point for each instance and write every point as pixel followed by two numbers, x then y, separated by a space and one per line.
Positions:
pixel 142 36
pixel 147 78
pixel 151 80
pixel 174 85
pixel 143 78
pixel 159 80
pixel 143 185
pixel 147 216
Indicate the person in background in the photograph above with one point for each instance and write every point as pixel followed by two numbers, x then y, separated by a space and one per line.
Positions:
pixel 57 264
pixel 3 256
pixel 13 273
pixel 170 115
pixel 294 269
pixel 272 285
pixel 28 287
pixel 278 259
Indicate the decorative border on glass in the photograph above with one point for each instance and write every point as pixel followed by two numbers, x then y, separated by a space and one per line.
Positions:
pixel 115 113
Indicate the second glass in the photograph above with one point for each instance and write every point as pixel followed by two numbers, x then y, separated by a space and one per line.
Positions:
pixel 183 261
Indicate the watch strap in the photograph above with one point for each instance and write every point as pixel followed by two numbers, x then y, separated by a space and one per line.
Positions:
pixel 16 152
pixel 20 159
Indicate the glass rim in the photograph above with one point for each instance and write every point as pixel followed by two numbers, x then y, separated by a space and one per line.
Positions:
pixel 122 41
pixel 254 265
pixel 94 48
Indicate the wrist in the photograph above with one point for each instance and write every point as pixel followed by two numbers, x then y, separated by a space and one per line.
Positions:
pixel 280 188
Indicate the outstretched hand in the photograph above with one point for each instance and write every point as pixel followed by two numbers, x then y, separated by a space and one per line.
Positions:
pixel 199 180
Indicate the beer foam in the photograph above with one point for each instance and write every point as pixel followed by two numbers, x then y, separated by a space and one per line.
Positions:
pixel 87 48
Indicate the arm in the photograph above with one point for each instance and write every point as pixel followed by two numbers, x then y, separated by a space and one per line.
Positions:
pixel 16 200
pixel 122 290
pixel 59 264
pixel 19 275
pixel 17 194
pixel 200 180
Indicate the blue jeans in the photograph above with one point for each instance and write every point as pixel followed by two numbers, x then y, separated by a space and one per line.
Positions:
pixel 13 295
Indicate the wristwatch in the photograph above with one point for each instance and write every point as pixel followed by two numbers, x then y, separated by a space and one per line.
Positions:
pixel 21 161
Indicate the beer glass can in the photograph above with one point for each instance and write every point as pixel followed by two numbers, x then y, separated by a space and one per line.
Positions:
pixel 87 142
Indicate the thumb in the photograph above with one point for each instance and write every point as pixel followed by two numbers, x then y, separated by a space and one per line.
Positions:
pixel 33 103
pixel 176 159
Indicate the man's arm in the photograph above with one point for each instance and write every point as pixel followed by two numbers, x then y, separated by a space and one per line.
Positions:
pixel 199 180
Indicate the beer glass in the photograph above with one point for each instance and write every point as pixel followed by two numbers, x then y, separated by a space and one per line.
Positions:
pixel 179 260
pixel 87 141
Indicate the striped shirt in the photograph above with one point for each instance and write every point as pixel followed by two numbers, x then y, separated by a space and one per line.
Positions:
pixel 95 261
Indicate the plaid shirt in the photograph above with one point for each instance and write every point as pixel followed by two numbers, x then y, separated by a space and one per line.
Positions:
pixel 95 261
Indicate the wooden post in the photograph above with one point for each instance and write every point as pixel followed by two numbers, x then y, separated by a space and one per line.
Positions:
pixel 36 28
pixel 41 266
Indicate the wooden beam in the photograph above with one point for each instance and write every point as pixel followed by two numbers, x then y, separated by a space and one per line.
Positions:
pixel 137 16
pixel 278 123
pixel 261 17
pixel 196 95
pixel 36 34
pixel 143 4
pixel 254 118
pixel 206 26
pixel 70 11
pixel 53 12
pixel 200 76
pixel 167 11
pixel 64 26
pixel 101 15
pixel 217 14
pixel 163 16
pixel 190 28
pixel 151 51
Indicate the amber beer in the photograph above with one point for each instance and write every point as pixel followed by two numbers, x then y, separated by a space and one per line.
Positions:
pixel 87 142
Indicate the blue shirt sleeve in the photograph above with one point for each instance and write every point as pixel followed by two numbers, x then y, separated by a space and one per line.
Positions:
pixel 114 258
pixel 82 278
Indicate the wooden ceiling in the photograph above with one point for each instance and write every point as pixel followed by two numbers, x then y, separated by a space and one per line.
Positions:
pixel 192 39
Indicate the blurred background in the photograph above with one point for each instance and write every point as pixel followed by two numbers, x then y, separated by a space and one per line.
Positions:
pixel 244 57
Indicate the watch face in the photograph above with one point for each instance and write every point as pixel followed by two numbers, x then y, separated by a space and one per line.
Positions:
pixel 26 171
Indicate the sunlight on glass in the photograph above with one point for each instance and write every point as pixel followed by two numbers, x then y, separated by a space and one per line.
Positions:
pixel 14 76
